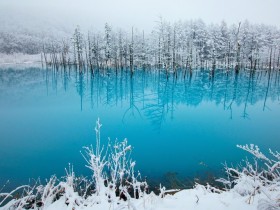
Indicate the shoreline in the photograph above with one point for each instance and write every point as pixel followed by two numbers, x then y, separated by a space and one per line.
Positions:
pixel 19 58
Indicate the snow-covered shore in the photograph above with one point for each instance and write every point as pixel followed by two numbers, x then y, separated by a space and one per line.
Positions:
pixel 199 198
pixel 115 185
pixel 19 58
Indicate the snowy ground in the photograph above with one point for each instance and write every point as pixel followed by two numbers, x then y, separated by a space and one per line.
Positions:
pixel 198 198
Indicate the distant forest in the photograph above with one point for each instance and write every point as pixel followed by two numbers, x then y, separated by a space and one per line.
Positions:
pixel 181 45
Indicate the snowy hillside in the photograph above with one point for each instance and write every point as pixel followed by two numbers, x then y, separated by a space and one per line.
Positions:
pixel 26 33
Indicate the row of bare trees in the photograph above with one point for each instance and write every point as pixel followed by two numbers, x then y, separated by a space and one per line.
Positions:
pixel 170 47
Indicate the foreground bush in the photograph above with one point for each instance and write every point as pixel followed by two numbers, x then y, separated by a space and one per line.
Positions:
pixel 114 184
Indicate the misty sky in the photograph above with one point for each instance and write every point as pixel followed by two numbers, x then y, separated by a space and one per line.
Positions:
pixel 141 14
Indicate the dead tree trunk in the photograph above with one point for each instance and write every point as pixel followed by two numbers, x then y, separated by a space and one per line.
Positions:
pixel 131 56
pixel 238 47
pixel 270 59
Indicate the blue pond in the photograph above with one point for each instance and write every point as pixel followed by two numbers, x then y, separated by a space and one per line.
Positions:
pixel 186 125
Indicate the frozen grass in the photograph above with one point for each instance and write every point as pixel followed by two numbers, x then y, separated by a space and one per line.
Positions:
pixel 115 185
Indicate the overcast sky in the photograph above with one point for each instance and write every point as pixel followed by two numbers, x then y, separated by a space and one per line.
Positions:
pixel 138 13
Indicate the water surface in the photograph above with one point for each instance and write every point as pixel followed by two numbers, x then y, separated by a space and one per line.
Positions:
pixel 187 125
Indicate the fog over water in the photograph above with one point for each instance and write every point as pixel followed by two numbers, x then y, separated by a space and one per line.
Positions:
pixel 92 14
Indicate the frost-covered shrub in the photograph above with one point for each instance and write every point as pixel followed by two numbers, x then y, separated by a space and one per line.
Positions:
pixel 113 181
pixel 260 176
pixel 112 170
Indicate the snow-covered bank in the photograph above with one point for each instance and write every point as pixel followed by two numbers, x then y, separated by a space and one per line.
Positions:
pixel 198 198
pixel 115 184
pixel 19 58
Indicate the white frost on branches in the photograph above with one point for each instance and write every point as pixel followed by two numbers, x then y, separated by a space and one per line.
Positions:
pixel 114 183
pixel 258 177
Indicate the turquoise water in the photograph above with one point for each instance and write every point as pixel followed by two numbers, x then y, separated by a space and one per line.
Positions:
pixel 189 125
